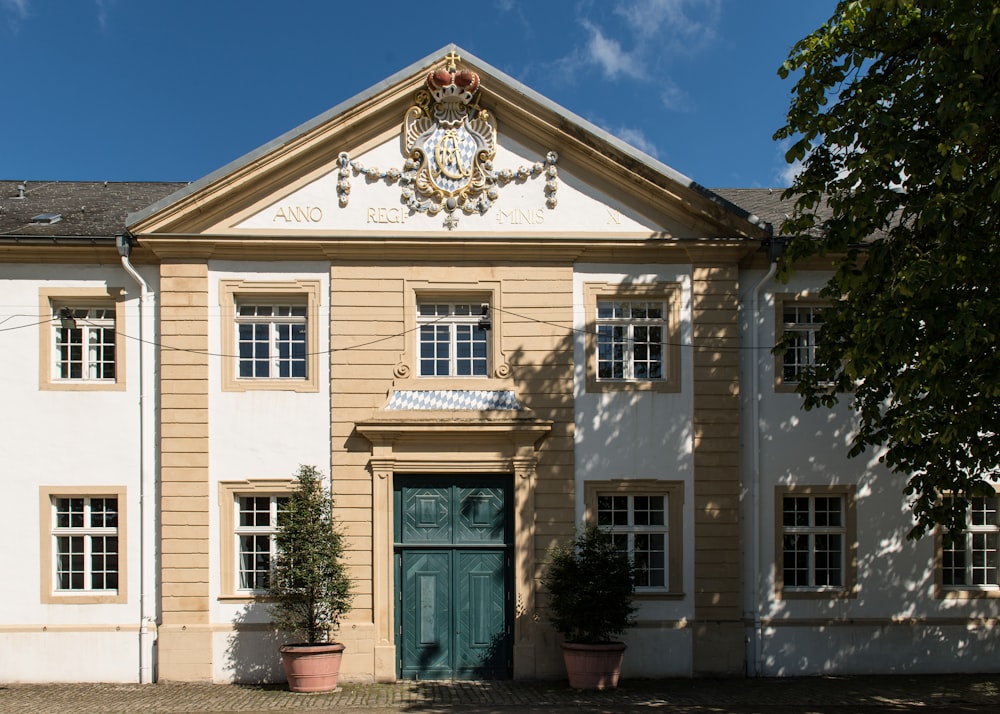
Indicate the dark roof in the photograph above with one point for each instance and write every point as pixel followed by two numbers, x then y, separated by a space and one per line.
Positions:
pixel 99 208
pixel 765 203
pixel 85 208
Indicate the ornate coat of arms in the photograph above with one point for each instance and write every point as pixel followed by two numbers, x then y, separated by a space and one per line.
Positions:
pixel 450 143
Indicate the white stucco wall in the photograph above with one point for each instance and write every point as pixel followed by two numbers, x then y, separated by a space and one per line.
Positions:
pixel 61 438
pixel 641 435
pixel 895 623
pixel 259 435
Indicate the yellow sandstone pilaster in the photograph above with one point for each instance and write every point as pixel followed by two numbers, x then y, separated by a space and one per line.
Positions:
pixel 184 640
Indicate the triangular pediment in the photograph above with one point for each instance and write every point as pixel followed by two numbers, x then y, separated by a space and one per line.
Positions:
pixel 426 152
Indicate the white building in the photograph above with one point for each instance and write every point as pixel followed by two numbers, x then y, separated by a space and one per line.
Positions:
pixel 172 353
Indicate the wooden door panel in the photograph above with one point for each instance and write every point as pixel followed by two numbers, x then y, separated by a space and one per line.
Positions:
pixel 481 646
pixel 427 614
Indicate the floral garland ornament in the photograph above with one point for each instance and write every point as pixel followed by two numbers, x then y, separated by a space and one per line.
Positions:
pixel 450 144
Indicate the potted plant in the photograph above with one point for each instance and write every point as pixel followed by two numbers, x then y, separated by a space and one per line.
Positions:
pixel 309 587
pixel 591 586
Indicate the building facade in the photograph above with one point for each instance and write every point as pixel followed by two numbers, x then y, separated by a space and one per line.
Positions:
pixel 488 322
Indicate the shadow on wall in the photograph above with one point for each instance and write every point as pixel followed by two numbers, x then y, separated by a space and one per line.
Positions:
pixel 252 655
pixel 895 621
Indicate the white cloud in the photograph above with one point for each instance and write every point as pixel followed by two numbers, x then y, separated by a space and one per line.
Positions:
pixel 675 98
pixel 684 25
pixel 15 11
pixel 638 39
pixel 19 8
pixel 607 53
pixel 636 138
pixel 103 11
pixel 786 175
pixel 786 172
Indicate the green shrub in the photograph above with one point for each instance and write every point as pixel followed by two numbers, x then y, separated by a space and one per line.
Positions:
pixel 591 586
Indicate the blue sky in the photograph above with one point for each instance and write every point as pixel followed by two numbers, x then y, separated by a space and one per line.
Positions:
pixel 170 90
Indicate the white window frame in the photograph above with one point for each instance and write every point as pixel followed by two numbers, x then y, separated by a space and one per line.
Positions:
pixel 453 318
pixel 979 550
pixel 65 511
pixel 273 317
pixel 618 327
pixel 87 332
pixel 811 531
pixel 255 531
pixel 802 355
pixel 625 534
pixel 650 575
pixel 54 528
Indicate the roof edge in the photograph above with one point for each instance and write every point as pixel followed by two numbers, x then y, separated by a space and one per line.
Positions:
pixel 397 77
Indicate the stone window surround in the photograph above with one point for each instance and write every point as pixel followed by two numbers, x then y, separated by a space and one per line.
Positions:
pixel 670 292
pixel 49 298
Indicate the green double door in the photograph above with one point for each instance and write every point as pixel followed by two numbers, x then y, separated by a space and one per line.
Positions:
pixel 453 545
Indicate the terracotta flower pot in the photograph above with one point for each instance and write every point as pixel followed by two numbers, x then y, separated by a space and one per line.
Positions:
pixel 312 668
pixel 593 666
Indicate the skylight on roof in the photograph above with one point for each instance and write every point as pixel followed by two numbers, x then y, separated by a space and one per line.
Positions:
pixel 48 218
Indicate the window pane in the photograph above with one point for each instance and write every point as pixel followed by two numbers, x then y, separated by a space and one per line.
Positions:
pixel 255 561
pixel 650 559
pixel 255 511
pixel 795 560
pixel 610 352
pixel 983 511
pixel 829 555
pixel 612 510
pixel 796 511
pixel 69 562
pixel 953 565
pixel 984 558
pixel 828 512
pixel 69 513
pixel 649 510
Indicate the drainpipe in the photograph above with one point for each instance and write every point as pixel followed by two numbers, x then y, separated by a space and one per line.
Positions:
pixel 755 465
pixel 147 475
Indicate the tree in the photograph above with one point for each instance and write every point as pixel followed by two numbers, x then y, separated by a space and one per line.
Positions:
pixel 309 583
pixel 894 116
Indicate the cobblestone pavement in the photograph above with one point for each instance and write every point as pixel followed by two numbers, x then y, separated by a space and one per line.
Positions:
pixel 823 695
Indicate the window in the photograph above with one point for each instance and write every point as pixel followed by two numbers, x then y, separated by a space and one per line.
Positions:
pixel 801 320
pixel 249 512
pixel 643 518
pixel 454 339
pixel 971 561
pixel 271 340
pixel 86 544
pixel 83 545
pixel 816 552
pixel 630 335
pixel 85 343
pixel 80 348
pixel 256 525
pixel 270 335
pixel 633 339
